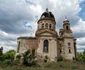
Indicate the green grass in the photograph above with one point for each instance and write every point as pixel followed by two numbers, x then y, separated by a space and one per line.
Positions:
pixel 49 66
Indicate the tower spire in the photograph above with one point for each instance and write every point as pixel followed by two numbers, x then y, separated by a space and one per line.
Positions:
pixel 66 18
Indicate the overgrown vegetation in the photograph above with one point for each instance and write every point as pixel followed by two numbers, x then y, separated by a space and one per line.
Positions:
pixel 60 58
pixel 46 58
pixel 29 58
pixel 50 66
pixel 7 62
pixel 81 56
pixel 7 58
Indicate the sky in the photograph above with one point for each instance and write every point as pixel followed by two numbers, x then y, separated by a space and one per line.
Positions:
pixel 19 18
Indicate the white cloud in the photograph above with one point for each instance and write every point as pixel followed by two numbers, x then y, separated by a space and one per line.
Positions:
pixel 79 27
pixel 15 12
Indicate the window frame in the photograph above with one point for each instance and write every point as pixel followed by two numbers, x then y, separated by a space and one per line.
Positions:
pixel 45 46
pixel 46 25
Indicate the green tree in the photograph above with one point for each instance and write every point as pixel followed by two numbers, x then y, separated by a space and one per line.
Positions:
pixel 1 51
pixel 29 58
pixel 81 56
pixel 10 54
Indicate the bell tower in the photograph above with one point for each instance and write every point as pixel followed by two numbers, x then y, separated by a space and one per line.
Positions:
pixel 47 35
pixel 66 28
pixel 46 23
pixel 66 25
pixel 69 47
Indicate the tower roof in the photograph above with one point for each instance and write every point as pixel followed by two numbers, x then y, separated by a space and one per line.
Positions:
pixel 47 14
pixel 66 20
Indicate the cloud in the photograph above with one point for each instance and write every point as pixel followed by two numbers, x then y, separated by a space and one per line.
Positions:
pixel 79 29
pixel 14 14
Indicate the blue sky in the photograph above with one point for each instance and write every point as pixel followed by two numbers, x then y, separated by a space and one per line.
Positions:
pixel 19 18
pixel 82 12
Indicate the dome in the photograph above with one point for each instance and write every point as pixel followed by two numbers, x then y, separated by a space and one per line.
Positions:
pixel 66 20
pixel 47 14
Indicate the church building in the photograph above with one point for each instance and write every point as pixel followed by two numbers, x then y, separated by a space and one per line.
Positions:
pixel 47 42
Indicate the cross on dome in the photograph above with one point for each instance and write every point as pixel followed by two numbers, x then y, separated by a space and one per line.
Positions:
pixel 46 9
pixel 66 18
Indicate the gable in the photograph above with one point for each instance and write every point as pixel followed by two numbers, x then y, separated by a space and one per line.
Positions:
pixel 46 33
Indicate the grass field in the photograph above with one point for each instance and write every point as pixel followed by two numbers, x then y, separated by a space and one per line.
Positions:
pixel 49 66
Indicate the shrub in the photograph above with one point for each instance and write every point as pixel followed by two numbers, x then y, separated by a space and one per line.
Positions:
pixel 18 57
pixel 29 58
pixel 8 62
pixel 46 58
pixel 73 58
pixel 2 58
pixel 9 55
pixel 60 58
pixel 15 62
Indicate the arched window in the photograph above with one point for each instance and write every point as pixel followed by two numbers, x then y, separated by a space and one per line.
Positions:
pixel 50 26
pixel 67 27
pixel 46 25
pixel 69 44
pixel 60 51
pixel 43 25
pixel 69 50
pixel 45 46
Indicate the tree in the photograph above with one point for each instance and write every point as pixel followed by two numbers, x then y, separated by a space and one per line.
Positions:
pixel 29 58
pixel 1 51
pixel 10 54
pixel 81 56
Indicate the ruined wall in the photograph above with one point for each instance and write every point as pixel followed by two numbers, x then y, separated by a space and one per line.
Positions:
pixel 26 43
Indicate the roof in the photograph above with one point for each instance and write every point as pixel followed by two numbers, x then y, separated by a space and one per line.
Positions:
pixel 47 15
pixel 31 38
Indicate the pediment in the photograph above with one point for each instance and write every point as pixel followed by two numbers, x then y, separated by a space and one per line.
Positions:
pixel 46 33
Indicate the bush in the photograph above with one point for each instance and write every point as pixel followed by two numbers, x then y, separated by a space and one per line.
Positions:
pixel 29 58
pixel 73 58
pixel 18 57
pixel 46 58
pixel 8 62
pixel 60 58
pixel 15 62
pixel 2 58
pixel 7 58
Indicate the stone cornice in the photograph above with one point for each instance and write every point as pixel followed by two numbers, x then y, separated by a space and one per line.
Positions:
pixel 69 37
pixel 47 19
pixel 46 31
